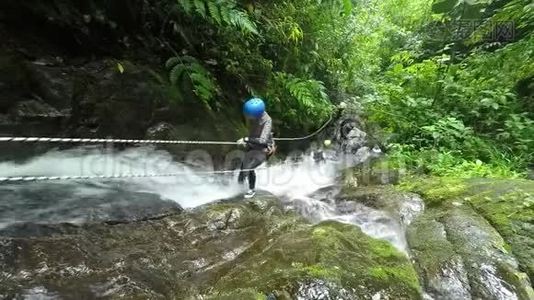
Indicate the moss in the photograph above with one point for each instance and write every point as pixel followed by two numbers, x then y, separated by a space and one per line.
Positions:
pixel 321 271
pixel 337 253
pixel 402 274
pixel 435 190
pixel 245 294
pixel 507 204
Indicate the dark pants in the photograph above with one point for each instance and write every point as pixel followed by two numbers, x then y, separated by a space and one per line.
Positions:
pixel 252 159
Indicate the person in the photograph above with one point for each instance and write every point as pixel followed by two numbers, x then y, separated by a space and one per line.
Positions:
pixel 259 143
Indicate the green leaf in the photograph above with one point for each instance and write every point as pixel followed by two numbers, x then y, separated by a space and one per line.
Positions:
pixel 177 72
pixel 443 6
pixel 200 7
pixel 120 68
pixel 347 6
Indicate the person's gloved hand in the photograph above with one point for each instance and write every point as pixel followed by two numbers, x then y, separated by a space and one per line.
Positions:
pixel 242 142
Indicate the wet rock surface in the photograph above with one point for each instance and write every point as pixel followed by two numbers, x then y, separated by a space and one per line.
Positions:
pixel 474 241
pixel 47 203
pixel 234 249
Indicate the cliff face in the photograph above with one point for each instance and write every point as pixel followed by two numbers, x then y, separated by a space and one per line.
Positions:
pixel 95 69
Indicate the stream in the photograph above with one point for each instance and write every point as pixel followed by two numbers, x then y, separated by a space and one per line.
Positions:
pixel 306 186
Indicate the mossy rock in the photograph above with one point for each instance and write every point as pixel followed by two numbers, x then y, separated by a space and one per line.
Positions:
pixel 403 206
pixel 234 249
pixel 508 205
pixel 493 208
pixel 331 259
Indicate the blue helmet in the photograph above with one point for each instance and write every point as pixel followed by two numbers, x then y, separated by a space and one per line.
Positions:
pixel 254 107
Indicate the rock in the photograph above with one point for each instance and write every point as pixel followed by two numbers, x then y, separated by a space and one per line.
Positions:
pixel 160 131
pixel 229 250
pixel 372 172
pixel 13 80
pixel 441 269
pixel 381 211
pixel 473 236
pixel 461 256
pixel 37 203
pixel 33 110
pixel 403 206
pixel 52 83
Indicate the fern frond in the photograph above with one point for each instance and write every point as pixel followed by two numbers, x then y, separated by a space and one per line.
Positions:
pixel 215 14
pixel 187 5
pixel 204 85
pixel 226 13
pixel 176 73
pixel 172 61
pixel 240 20
pixel 200 7
pixel 188 59
pixel 221 13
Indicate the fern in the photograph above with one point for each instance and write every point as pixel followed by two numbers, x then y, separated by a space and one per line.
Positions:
pixel 200 7
pixel 220 12
pixel 187 5
pixel 204 85
pixel 345 5
pixel 310 95
pixel 520 12
pixel 215 12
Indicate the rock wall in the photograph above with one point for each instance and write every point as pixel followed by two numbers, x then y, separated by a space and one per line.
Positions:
pixel 229 250
pixel 95 69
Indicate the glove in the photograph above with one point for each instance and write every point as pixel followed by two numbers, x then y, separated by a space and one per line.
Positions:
pixel 242 142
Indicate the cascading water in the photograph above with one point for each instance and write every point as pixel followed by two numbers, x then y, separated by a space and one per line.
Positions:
pixel 306 186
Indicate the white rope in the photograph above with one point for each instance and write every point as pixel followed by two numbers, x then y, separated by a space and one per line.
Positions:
pixel 99 141
pixel 128 141
pixel 88 177
pixel 25 139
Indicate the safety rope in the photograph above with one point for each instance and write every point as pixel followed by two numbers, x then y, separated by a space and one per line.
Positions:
pixel 88 177
pixel 129 141
pixel 100 141
pixel 309 135
pixel 137 141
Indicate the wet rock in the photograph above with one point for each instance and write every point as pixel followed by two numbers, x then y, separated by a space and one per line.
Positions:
pixel 403 206
pixel 381 211
pixel 461 256
pixel 462 243
pixel 373 171
pixel 440 268
pixel 349 134
pixel 35 203
pixel 160 131
pixel 505 203
pixel 52 83
pixel 33 110
pixel 229 250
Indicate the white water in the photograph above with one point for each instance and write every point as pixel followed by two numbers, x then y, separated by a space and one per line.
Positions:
pixel 189 190
pixel 294 182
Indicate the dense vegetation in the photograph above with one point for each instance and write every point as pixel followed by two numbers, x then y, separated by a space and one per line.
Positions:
pixel 449 82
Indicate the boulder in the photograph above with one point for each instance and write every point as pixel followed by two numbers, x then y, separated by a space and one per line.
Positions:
pixel 476 240
pixel 233 249
pixel 33 110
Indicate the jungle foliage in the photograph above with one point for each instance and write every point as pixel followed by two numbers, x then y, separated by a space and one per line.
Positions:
pixel 461 104
pixel 450 82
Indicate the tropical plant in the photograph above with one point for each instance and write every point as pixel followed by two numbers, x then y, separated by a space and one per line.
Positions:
pixel 220 12
pixel 182 67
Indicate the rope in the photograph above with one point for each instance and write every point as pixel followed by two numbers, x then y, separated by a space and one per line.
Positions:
pixel 307 136
pixel 129 141
pixel 136 141
pixel 88 177
pixel 98 141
